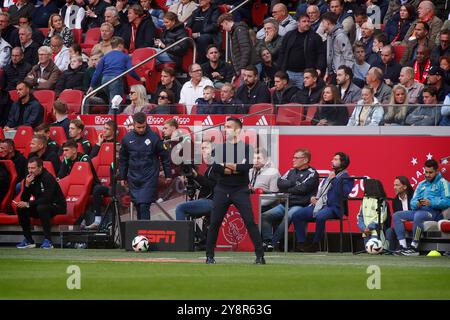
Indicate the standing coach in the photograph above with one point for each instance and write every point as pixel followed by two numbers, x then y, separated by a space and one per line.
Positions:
pixel 232 164
pixel 140 156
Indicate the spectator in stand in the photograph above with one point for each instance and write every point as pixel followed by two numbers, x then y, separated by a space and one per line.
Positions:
pixel 203 23
pixel 19 9
pixel 326 204
pixel 441 50
pixel 38 148
pixel 155 11
pixel 42 13
pixel 5 53
pixel 314 13
pixel 168 81
pixel 428 114
pixel 375 80
pixel 321 5
pixel 331 111
pixel 431 197
pixel 45 73
pixel 29 47
pixel 426 14
pixel 48 201
pixel 421 65
pixel 301 49
pixel 436 79
pixel 228 104
pixel 8 152
pixel 368 111
pixel 27 111
pixel 367 31
pixel 142 28
pixel 6 28
pixel 75 50
pixel 110 66
pixel 284 91
pixel 444 63
pixel 122 7
pixel 312 88
pixel 395 114
pixel 60 53
pixel 361 67
pixel 241 45
pixel 272 40
pixel 139 101
pixel 413 86
pixel 56 27
pixel 344 18
pixel 166 101
pixel 5 106
pixel 390 67
pixel 173 31
pixel 395 5
pixel 360 18
pixel 73 14
pixel 121 29
pixel 268 69
pixel 106 34
pixel 208 103
pixel 60 112
pixel 36 34
pixel 216 69
pixel 379 41
pixel 193 89
pixel 350 93
pixel 73 77
pixel 397 26
pixel 16 70
pixel 285 22
pixel 106 136
pixel 339 49
pixel 421 33
pixel 92 65
pixel 252 91
pixel 183 9
pixel 44 130
pixel 76 128
pixel 94 16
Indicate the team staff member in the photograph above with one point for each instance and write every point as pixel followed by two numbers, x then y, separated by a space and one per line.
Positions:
pixel 140 156
pixel 232 164
pixel 48 201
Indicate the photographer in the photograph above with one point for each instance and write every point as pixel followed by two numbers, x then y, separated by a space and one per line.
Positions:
pixel 205 183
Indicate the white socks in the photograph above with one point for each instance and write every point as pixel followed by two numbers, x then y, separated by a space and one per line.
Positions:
pixel 402 242
pixel 98 219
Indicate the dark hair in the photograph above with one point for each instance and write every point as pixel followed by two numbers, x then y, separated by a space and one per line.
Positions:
pixel 41 138
pixel 172 122
pixel 137 8
pixel 335 92
pixel 425 25
pixel 446 32
pixel 140 118
pixel 405 181
pixel 361 11
pixel 42 127
pixel 111 124
pixel 411 11
pixel 38 161
pixel 347 70
pixel 70 144
pixel 172 17
pixel 312 71
pixel 345 159
pixel 60 107
pixel 169 71
pixel 77 48
pixel 212 45
pixel 170 95
pixel 431 90
pixel 282 75
pixel 432 164
pixel 10 143
pixel 78 123
pixel 236 120
pixel 251 68
pixel 27 84
pixel 330 17
pixel 224 17
pixel 303 15
pixel 381 37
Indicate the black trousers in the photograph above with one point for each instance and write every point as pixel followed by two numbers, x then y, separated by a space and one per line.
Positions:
pixel 223 198
pixel 98 193
pixel 44 212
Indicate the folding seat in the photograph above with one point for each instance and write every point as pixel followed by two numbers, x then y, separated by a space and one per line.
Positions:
pixel 91 134
pixel 162 5
pixel 2 135
pixel 44 31
pixel 47 99
pixel 5 204
pixel 49 167
pixel 189 56
pixel 91 38
pixel 77 35
pixel 289 114
pixel 261 108
pixel 121 132
pixel 156 130
pixel 22 139
pixel 138 56
pixel 194 109
pixel 259 12
pixel 13 95
pixel 307 118
pixel 399 51
pixel 102 162
pixel 73 99
pixel 58 134
pixel 179 108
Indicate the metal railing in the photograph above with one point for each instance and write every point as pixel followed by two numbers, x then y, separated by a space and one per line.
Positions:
pixel 93 92
pixel 227 34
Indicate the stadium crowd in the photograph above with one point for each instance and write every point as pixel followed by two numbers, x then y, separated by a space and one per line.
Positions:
pixel 356 62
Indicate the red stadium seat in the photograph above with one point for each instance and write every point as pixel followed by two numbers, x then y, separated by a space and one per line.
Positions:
pixel 311 110
pixel 91 38
pixel 399 52
pixel 2 135
pixel 13 95
pixel 194 109
pixel 444 226
pixel 91 134
pixel 77 35
pixel 58 134
pixel 289 114
pixel 8 219
pixel 259 12
pixel 261 108
pixel 49 166
pixel 22 139
pixel 46 99
pixel 223 8
pixel 138 56
pixel 102 162
pixel 121 132
pixel 157 131
pixel 179 108
pixel 44 31
pixel 162 4
pixel 250 136
pixel 5 204
pixel 73 99
pixel 189 56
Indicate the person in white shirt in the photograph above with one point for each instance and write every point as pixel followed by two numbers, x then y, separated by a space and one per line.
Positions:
pixel 61 53
pixel 193 89
pixel 72 14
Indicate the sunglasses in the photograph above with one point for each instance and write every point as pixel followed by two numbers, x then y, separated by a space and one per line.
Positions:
pixel 162 97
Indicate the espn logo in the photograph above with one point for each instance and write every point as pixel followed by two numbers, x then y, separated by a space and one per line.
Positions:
pixel 157 236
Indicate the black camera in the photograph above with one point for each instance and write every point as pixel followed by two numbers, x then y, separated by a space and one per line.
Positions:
pixel 187 170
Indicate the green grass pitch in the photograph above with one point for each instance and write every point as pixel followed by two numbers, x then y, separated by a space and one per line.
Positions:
pixel 116 274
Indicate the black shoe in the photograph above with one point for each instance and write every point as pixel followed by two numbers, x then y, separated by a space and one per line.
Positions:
pixel 411 252
pixel 210 260
pixel 313 247
pixel 300 247
pixel 260 260
pixel 267 246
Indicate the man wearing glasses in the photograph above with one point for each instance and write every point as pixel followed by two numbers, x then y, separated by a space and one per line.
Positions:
pixel 301 182
pixel 45 74
pixel 193 89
